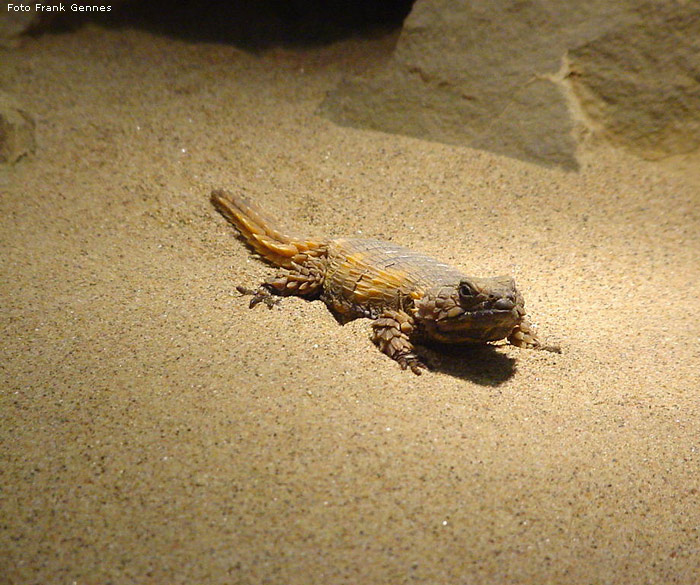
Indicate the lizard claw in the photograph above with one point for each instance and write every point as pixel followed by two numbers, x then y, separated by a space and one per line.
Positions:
pixel 261 295
pixel 552 348
pixel 524 336
pixel 411 360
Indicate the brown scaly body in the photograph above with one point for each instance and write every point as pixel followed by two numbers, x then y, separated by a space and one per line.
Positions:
pixel 411 298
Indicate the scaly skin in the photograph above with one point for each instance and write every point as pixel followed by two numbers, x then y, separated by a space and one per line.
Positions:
pixel 411 298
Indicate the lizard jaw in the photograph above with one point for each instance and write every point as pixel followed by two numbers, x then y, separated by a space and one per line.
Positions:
pixel 474 326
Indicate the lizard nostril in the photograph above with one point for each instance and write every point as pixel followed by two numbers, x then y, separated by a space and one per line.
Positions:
pixel 504 304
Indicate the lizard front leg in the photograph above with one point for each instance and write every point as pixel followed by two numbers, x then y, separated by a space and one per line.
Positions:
pixel 525 337
pixel 302 280
pixel 391 331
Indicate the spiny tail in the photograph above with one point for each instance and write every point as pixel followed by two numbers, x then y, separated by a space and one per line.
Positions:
pixel 260 231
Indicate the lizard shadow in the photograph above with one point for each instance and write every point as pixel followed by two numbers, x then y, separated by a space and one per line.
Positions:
pixel 482 364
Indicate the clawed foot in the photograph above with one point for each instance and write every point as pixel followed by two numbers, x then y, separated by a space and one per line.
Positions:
pixel 411 360
pixel 525 337
pixel 390 331
pixel 262 295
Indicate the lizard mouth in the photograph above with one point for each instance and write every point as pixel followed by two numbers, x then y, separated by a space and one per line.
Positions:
pixel 489 309
pixel 488 322
pixel 480 316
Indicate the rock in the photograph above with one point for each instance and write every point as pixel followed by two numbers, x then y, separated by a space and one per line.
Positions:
pixel 532 79
pixel 640 84
pixel 16 130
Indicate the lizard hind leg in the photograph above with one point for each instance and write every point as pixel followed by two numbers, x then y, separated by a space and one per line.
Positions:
pixel 301 280
pixel 391 332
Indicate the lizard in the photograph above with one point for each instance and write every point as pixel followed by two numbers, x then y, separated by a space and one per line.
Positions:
pixel 410 297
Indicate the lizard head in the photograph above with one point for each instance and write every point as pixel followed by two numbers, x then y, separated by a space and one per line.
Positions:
pixel 472 310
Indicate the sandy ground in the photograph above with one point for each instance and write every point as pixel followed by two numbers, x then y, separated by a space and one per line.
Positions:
pixel 154 430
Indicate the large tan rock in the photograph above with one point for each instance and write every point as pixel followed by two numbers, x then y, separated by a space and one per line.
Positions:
pixel 640 84
pixel 532 79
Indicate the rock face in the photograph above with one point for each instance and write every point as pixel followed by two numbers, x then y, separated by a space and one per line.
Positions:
pixel 16 130
pixel 531 79
pixel 640 84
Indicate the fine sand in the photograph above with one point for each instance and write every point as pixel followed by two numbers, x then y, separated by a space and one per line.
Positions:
pixel 154 430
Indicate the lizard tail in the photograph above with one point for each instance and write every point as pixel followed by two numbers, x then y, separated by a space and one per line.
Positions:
pixel 261 233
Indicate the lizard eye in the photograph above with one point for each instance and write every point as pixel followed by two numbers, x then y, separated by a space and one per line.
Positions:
pixel 465 290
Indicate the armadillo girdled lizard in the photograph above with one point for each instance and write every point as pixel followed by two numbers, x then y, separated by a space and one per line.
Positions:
pixel 411 298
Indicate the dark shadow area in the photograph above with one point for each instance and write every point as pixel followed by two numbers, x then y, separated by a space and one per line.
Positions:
pixel 481 364
pixel 252 25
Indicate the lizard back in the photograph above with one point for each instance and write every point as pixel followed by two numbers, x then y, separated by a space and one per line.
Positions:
pixel 365 276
